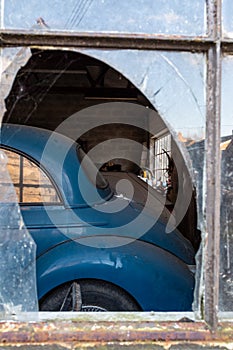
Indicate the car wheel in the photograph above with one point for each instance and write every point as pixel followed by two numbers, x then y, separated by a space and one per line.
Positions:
pixel 88 295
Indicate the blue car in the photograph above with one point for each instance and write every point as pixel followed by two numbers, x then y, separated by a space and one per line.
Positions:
pixel 98 249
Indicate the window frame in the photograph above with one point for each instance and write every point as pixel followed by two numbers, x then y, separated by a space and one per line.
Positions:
pixel 213 45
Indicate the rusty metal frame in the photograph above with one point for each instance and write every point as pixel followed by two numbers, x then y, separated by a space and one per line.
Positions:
pixel 106 332
pixel 22 38
pixel 9 38
pixel 213 45
pixel 130 329
pixel 213 169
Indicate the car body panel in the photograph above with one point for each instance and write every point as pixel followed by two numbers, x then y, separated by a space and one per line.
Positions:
pixel 139 268
pixel 66 223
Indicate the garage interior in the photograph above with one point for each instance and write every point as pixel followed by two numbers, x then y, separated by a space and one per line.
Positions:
pixel 55 84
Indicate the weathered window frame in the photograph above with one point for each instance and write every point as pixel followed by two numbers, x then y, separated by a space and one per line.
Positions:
pixel 213 45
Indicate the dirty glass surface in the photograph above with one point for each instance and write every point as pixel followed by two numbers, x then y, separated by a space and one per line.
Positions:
pixel 226 227
pixel 227 22
pixel 17 248
pixel 141 16
pixel 166 78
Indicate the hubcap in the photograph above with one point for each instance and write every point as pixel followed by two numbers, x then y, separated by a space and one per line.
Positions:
pixel 92 308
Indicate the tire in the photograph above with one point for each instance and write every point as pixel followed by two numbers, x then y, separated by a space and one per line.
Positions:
pixel 96 296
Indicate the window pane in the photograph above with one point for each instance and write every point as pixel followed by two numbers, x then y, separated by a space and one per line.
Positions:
pixel 226 262
pixel 140 16
pixel 227 11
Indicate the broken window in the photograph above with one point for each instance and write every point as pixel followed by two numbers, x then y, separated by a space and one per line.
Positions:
pixel 68 95
pixel 175 76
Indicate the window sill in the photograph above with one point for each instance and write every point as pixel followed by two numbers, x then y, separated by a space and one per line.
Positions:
pixel 109 327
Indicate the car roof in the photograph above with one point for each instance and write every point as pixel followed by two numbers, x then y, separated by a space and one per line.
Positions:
pixel 57 155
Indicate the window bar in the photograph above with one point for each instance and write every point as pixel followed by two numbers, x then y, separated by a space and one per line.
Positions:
pixel 213 181
pixel 11 38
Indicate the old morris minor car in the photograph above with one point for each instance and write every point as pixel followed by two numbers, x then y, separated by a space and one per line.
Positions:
pixel 97 249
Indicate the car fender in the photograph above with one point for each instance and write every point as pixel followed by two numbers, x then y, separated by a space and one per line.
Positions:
pixel 156 279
